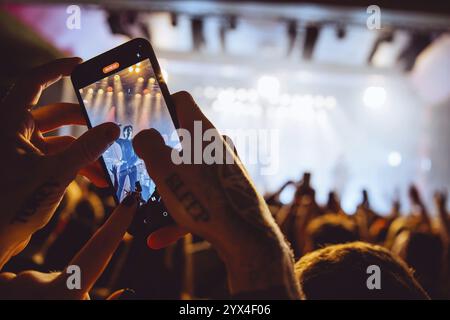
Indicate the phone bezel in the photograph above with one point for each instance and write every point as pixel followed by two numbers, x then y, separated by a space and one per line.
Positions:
pixel 126 55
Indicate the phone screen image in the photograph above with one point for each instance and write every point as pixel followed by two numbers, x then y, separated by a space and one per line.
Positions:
pixel 131 98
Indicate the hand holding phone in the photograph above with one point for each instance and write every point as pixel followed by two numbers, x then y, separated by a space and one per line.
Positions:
pixel 125 86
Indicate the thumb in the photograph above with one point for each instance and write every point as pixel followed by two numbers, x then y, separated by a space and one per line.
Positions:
pixel 150 146
pixel 165 236
pixel 89 147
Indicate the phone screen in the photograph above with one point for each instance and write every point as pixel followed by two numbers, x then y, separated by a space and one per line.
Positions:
pixel 132 98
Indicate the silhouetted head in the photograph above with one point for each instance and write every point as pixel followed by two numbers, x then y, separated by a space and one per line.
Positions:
pixel 424 252
pixel 128 132
pixel 342 272
pixel 330 229
pixel 399 225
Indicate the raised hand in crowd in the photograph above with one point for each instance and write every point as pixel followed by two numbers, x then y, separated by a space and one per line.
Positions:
pixel 36 169
pixel 89 262
pixel 220 203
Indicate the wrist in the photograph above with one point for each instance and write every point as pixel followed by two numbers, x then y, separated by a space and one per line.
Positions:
pixel 261 265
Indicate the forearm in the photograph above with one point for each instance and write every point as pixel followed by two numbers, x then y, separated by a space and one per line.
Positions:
pixel 265 272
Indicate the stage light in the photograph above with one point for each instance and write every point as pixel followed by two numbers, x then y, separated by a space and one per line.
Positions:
pixel 117 77
pixel 109 89
pixel 268 87
pixel 98 102
pixel 137 70
pixel 310 40
pixel 340 31
pixel 198 37
pixel 140 79
pixel 90 91
pixel 374 97
pixel 292 35
pixel 394 159
pixel 130 69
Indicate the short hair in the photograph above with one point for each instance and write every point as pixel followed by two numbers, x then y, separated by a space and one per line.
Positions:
pixel 331 229
pixel 340 272
pixel 424 252
pixel 399 225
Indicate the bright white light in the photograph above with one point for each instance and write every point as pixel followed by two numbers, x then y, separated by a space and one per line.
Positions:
pixel 374 97
pixel 268 87
pixel 394 159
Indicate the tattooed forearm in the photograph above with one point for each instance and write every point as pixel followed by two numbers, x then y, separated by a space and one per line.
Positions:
pixel 46 193
pixel 242 197
pixel 187 198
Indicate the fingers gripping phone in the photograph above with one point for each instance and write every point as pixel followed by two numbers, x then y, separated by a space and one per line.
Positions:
pixel 125 85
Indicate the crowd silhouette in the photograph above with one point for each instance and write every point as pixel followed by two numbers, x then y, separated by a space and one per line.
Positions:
pixel 417 240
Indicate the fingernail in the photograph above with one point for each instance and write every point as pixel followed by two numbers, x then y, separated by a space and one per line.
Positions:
pixel 129 200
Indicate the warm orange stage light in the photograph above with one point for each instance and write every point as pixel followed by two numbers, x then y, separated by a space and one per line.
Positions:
pixel 111 67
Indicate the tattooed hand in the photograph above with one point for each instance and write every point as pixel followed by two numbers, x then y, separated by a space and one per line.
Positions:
pixel 220 203
pixel 35 170
pixel 38 285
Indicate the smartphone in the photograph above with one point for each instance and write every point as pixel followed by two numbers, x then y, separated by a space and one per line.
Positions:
pixel 126 86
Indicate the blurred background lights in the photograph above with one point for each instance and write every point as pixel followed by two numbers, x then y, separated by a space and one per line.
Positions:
pixel 394 159
pixel 374 97
pixel 268 86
